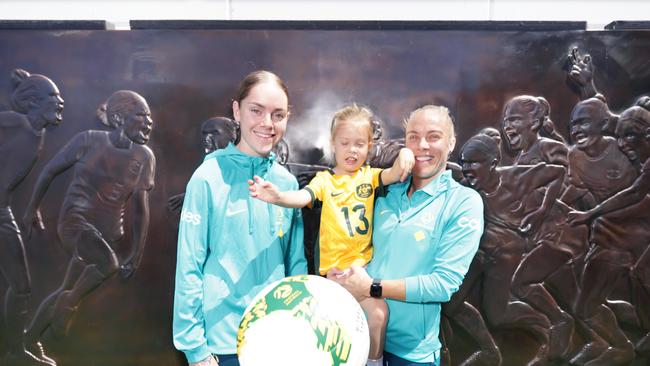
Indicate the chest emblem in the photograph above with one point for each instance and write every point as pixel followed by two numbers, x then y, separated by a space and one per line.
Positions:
pixel 364 190
pixel 419 235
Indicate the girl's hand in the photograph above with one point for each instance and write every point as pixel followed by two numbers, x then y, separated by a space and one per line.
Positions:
pixel 357 282
pixel 335 273
pixel 404 163
pixel 263 190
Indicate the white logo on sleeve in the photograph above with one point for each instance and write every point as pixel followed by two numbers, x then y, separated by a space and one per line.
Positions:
pixel 470 223
pixel 191 218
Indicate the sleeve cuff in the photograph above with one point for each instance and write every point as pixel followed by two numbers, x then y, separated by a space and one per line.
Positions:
pixel 412 289
pixel 311 193
pixel 313 196
pixel 198 354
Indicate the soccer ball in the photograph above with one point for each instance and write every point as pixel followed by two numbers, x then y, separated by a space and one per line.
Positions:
pixel 303 321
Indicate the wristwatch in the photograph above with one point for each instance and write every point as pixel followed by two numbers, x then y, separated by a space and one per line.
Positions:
pixel 375 288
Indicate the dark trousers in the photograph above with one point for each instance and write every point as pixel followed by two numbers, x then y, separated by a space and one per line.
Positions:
pixel 392 360
pixel 228 360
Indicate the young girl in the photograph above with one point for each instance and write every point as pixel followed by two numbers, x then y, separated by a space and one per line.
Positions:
pixel 348 199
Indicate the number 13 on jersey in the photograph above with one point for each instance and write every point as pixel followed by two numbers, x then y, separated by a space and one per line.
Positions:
pixel 363 224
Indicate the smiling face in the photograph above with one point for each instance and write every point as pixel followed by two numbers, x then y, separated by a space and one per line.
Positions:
pixel 262 116
pixel 430 136
pixel 137 122
pixel 586 125
pixel 519 126
pixel 350 143
pixel 48 103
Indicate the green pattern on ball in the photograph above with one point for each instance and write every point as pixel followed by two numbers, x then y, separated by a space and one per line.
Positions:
pixel 292 295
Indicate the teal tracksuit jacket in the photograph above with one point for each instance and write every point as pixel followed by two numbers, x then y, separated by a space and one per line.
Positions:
pixel 230 246
pixel 429 240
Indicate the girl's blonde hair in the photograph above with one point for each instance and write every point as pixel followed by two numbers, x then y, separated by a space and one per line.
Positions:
pixel 352 112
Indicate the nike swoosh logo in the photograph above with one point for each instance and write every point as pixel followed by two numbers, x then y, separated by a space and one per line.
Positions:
pixel 384 211
pixel 334 194
pixel 232 213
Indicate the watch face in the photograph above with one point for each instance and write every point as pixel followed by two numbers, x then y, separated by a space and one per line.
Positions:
pixel 375 288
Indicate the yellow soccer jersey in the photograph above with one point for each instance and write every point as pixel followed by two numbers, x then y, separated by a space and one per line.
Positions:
pixel 346 217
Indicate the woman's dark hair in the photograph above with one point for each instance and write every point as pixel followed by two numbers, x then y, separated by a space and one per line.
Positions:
pixel 257 77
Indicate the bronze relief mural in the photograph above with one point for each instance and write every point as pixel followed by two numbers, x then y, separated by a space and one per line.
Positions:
pixel 553 130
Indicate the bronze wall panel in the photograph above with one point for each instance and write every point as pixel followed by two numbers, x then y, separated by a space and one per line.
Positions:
pixel 189 76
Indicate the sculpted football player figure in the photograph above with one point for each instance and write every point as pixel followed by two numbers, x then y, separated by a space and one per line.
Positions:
pixel 597 170
pixel 36 103
pixel 514 206
pixel 524 119
pixel 110 168
pixel 216 133
pixel 620 235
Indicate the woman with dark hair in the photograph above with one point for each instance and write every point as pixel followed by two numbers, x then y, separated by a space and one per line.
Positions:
pixel 229 244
